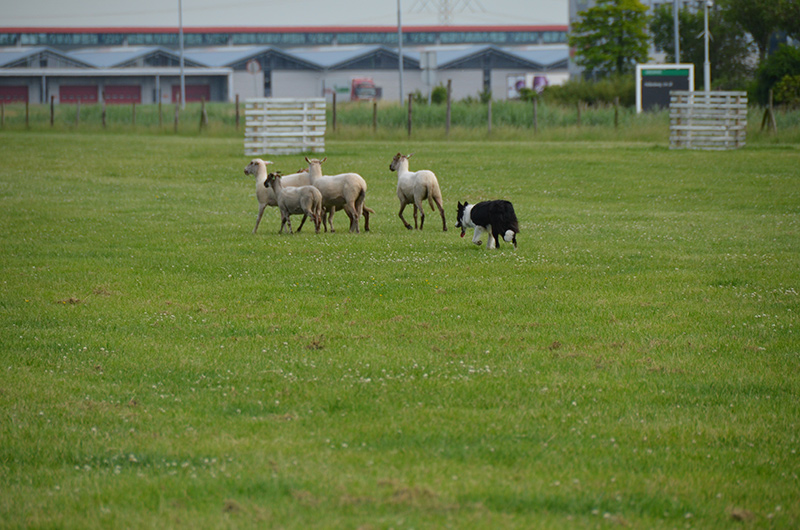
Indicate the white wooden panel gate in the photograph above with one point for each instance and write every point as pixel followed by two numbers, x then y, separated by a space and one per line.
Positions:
pixel 283 126
pixel 707 120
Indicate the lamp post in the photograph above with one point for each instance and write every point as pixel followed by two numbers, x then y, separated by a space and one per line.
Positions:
pixel 400 49
pixel 707 61
pixel 675 8
pixel 180 42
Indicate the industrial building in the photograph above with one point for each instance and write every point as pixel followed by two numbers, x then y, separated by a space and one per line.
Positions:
pixel 143 66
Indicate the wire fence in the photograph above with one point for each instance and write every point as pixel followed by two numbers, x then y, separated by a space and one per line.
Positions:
pixel 374 119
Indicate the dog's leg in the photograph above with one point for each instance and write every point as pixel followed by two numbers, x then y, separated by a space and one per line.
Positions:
pixel 476 237
pixel 490 239
pixel 496 236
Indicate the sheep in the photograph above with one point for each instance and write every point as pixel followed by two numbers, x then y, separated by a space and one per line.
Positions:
pixel 264 194
pixel 346 190
pixel 301 199
pixel 327 216
pixel 413 188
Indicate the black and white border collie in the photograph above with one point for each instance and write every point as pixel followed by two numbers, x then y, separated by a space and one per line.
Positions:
pixel 495 217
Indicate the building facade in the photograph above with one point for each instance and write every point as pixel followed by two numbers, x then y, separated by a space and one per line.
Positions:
pixel 93 65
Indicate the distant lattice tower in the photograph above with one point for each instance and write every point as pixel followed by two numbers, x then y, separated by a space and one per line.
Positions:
pixel 446 8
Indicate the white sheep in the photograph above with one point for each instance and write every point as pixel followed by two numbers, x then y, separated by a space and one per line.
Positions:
pixel 264 194
pixel 346 191
pixel 327 216
pixel 413 188
pixel 301 199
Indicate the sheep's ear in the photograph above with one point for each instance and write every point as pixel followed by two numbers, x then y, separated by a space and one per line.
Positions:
pixel 307 160
pixel 409 155
pixel 268 162
pixel 323 160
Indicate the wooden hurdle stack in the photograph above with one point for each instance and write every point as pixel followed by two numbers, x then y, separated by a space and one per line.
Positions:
pixel 707 120
pixel 284 126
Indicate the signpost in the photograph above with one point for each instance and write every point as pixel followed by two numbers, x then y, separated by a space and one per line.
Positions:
pixel 655 81
pixel 254 67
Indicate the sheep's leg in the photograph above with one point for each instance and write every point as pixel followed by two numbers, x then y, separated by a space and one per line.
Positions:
pixel 403 207
pixel 261 208
pixel 352 213
pixel 441 212
pixel 419 206
pixel 366 220
pixel 315 218
pixel 302 222
pixel 289 223
pixel 329 213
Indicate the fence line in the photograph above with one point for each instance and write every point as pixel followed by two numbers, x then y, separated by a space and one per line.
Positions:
pixel 707 120
pixel 284 126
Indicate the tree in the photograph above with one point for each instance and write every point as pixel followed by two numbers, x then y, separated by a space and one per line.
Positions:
pixel 790 18
pixel 787 92
pixel 611 37
pixel 784 62
pixel 729 47
pixel 760 18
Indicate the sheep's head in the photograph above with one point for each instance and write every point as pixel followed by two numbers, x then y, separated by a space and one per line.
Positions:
pixel 272 177
pixel 315 161
pixel 397 159
pixel 315 167
pixel 254 165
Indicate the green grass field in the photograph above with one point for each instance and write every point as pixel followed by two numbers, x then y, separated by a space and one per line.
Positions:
pixel 634 363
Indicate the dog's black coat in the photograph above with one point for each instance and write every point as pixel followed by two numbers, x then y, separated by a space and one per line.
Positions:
pixel 498 214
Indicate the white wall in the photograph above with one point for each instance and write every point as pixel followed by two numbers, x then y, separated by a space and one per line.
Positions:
pixel 248 85
pixel 308 84
pixel 296 84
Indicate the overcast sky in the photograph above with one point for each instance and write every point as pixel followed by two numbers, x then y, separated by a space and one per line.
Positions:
pixel 126 13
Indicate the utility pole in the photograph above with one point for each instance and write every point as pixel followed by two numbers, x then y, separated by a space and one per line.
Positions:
pixel 400 49
pixel 707 61
pixel 675 9
pixel 180 39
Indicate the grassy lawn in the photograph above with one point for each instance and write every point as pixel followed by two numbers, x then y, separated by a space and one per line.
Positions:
pixel 632 363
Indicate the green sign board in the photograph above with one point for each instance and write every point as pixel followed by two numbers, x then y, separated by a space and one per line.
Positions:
pixel 656 81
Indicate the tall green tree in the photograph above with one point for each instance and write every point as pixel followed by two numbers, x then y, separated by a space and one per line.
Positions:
pixel 729 47
pixel 783 63
pixel 761 18
pixel 790 18
pixel 611 37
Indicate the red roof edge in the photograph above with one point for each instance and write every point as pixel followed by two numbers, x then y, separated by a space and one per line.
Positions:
pixel 283 29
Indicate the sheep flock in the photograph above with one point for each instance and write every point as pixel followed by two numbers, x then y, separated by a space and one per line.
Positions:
pixel 313 194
